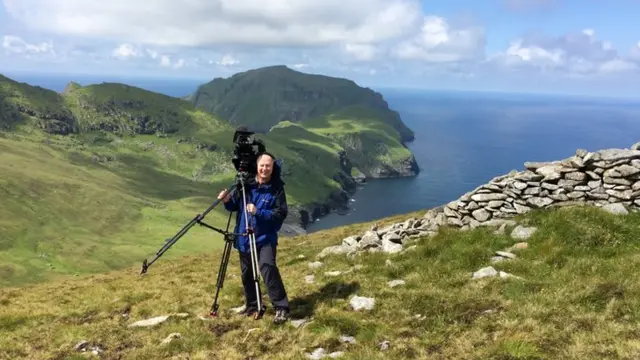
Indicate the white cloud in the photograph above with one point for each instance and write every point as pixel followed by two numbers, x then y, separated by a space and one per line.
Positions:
pixel 15 44
pixel 361 52
pixel 577 53
pixel 227 60
pixel 211 22
pixel 617 65
pixel 438 41
pixel 125 51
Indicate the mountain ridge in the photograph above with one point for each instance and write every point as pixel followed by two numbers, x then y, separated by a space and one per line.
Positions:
pixel 285 97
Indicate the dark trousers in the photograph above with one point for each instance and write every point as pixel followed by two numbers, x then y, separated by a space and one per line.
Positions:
pixel 270 275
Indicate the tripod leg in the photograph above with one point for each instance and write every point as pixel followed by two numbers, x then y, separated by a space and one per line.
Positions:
pixel 222 271
pixel 256 276
pixel 254 257
pixel 221 275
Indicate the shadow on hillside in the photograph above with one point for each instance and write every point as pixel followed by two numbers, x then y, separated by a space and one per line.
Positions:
pixel 305 306
pixel 144 178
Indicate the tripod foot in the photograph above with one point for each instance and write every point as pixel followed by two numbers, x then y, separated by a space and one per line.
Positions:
pixel 214 313
pixel 259 314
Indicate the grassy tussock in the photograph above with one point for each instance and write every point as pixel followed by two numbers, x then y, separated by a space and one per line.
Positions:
pixel 578 299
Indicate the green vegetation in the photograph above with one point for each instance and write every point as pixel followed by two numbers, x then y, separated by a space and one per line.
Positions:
pixel 130 168
pixel 369 141
pixel 577 299
pixel 261 98
pixel 25 106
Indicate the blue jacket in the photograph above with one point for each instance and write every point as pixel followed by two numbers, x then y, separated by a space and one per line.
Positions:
pixel 271 204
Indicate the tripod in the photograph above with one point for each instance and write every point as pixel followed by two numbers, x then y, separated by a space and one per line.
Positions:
pixel 240 184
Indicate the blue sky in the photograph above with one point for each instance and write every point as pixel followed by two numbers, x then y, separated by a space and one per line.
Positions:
pixel 587 46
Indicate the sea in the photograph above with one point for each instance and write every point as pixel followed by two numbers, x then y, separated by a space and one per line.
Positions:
pixel 462 139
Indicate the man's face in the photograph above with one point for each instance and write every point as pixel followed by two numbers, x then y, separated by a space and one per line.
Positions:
pixel 265 167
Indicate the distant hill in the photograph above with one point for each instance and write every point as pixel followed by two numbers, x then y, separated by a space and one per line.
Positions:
pixel 261 98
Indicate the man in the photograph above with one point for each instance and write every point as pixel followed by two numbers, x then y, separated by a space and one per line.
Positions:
pixel 267 204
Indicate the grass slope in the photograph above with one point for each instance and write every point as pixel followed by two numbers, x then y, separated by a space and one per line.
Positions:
pixel 577 299
pixel 107 195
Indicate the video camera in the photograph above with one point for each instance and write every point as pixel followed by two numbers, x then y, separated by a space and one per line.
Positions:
pixel 246 151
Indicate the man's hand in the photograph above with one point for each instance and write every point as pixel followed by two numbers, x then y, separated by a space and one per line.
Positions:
pixel 252 209
pixel 226 198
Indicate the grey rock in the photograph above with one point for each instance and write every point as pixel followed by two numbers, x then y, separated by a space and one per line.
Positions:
pixel 519 185
pixel 623 170
pixel 384 345
pixel 594 184
pixel 488 197
pixel 362 303
pixel 615 208
pixel 523 233
pixel 575 194
pixel 394 283
pixel 393 237
pixel 506 254
pixel 539 202
pixel 171 337
pixel 593 175
pixel 559 197
pixel 334 250
pixel 521 209
pixel 532 191
pixel 369 239
pixel 481 215
pixel 612 155
pixel 576 176
pixel 391 247
pixel 581 153
pixel 150 322
pixel 347 339
pixel 351 240
pixel 623 195
pixel 488 271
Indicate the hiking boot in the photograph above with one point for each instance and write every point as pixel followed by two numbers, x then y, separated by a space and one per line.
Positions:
pixel 249 311
pixel 282 315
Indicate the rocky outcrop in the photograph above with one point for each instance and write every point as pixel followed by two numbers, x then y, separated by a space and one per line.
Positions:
pixel 609 179
pixel 61 122
pixel 402 168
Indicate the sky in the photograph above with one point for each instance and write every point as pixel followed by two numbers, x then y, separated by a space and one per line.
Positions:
pixel 540 46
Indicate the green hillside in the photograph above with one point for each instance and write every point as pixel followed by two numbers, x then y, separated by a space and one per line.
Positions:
pixel 25 106
pixel 369 141
pixel 97 177
pixel 573 295
pixel 261 98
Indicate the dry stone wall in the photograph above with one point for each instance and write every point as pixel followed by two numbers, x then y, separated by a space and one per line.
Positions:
pixel 607 178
